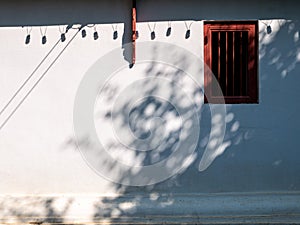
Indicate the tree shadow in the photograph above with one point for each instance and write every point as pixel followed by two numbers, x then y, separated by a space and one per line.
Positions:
pixel 279 64
pixel 151 119
pixel 34 210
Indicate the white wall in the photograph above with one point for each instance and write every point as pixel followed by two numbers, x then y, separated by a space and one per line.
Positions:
pixel 38 154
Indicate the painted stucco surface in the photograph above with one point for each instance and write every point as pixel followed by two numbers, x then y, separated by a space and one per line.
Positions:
pixel 38 147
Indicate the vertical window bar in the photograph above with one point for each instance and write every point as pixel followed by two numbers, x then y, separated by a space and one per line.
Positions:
pixel 219 56
pixel 233 60
pixel 223 66
pixel 237 62
pixel 229 63
pixel 241 62
pixel 215 61
pixel 226 65
pixel 245 60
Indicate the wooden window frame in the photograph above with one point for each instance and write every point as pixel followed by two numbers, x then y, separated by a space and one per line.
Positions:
pixel 252 61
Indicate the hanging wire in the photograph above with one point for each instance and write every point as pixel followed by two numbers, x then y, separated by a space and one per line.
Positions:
pixel 152 30
pixel 83 31
pixel 168 33
pixel 37 82
pixel 27 39
pixel 63 32
pixel 28 31
pixel 45 31
pixel 268 27
pixel 188 30
pixel 188 27
pixel 115 31
pixel 44 38
pixel 95 34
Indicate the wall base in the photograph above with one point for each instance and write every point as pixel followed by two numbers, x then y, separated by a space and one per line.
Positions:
pixel 152 209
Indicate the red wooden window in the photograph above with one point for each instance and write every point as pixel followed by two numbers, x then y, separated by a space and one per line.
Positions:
pixel 230 52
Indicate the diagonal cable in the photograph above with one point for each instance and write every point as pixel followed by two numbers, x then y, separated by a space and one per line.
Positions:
pixel 37 82
pixel 28 78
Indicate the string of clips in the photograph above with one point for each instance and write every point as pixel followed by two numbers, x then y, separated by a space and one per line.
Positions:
pixel 63 29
